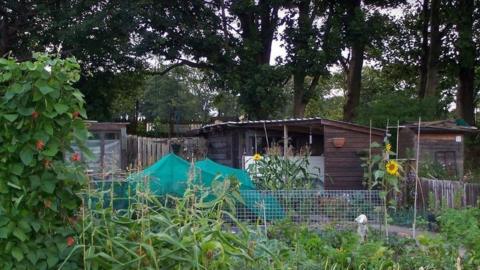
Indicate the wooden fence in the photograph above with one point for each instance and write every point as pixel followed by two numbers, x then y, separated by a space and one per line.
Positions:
pixel 444 193
pixel 144 151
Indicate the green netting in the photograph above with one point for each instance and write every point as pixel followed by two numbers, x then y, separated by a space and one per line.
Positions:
pixel 223 171
pixel 170 176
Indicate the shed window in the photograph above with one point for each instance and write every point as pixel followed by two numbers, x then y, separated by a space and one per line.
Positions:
pixel 448 161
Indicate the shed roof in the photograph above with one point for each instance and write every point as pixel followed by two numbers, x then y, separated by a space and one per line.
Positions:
pixel 443 126
pixel 105 126
pixel 293 122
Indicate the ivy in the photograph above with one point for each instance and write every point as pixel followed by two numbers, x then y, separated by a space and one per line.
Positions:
pixel 40 120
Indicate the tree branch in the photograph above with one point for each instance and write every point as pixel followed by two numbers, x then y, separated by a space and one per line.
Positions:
pixel 314 82
pixel 182 62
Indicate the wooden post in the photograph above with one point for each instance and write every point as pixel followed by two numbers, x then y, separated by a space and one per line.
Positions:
pixel 416 181
pixel 398 138
pixel 285 141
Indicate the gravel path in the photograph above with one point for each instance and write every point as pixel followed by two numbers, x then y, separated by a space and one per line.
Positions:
pixel 401 231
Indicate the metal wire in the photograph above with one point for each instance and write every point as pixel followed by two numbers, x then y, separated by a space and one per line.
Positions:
pixel 310 206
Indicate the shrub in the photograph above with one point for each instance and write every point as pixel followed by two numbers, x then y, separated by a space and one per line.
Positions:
pixel 40 117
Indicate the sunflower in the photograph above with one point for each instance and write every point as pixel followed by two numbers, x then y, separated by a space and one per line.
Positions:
pixel 392 167
pixel 388 147
pixel 257 157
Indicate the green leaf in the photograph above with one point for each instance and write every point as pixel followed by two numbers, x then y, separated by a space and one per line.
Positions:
pixel 48 128
pixel 78 95
pixel 16 169
pixel 52 260
pixel 26 155
pixel 32 257
pixel 25 111
pixel 60 108
pixel 20 234
pixel 52 149
pixel 378 174
pixel 17 253
pixel 35 226
pixel 48 186
pixel 6 76
pixel 45 89
pixel 10 117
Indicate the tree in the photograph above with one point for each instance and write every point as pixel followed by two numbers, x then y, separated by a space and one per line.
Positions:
pixel 466 61
pixel 97 34
pixel 431 82
pixel 167 100
pixel 311 27
pixel 356 32
pixel 230 39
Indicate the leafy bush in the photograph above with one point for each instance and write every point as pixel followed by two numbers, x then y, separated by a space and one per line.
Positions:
pixel 40 117
pixel 461 229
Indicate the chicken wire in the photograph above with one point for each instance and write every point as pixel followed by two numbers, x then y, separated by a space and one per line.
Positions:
pixel 301 206
pixel 310 206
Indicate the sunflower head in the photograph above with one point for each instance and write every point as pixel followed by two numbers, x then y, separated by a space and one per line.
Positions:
pixel 388 147
pixel 392 168
pixel 257 157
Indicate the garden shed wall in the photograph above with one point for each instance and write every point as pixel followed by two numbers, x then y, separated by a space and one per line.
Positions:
pixel 343 168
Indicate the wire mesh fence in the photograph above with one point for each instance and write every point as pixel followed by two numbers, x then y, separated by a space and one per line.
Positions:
pixel 310 206
pixel 301 206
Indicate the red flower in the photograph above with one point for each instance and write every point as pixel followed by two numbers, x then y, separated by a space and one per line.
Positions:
pixel 70 241
pixel 35 115
pixel 75 157
pixel 75 114
pixel 39 145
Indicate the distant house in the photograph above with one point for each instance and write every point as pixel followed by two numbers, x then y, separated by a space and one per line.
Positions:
pixel 335 146
pixel 441 142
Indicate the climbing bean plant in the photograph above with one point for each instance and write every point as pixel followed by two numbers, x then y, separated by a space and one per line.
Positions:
pixel 40 172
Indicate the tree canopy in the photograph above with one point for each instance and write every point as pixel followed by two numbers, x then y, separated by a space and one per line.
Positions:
pixel 373 59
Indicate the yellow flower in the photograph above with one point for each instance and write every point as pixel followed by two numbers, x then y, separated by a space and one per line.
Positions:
pixel 388 147
pixel 257 157
pixel 392 167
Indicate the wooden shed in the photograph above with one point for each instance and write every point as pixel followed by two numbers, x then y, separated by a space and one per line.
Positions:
pixel 335 146
pixel 441 142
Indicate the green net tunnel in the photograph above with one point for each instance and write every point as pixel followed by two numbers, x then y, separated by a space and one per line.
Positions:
pixel 169 176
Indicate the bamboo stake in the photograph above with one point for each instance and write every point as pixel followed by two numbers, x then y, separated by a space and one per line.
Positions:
pixel 369 184
pixel 398 139
pixel 416 181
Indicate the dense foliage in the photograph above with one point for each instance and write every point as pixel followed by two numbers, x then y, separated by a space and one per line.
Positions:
pixel 270 56
pixel 41 116
pixel 199 231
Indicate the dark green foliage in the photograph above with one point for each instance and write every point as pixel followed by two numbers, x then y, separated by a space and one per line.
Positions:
pixel 41 116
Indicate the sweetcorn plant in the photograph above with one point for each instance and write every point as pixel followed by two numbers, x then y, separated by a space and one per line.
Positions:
pixel 40 174
pixel 153 232
pixel 275 172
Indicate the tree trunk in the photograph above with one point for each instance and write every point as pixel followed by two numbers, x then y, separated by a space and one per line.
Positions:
pixel 299 103
pixel 355 65
pixel 3 36
pixel 466 60
pixel 434 51
pixel 354 82
pixel 300 95
pixel 424 56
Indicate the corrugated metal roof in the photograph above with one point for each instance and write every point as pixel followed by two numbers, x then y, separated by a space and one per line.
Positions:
pixel 318 120
pixel 279 121
pixel 444 125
